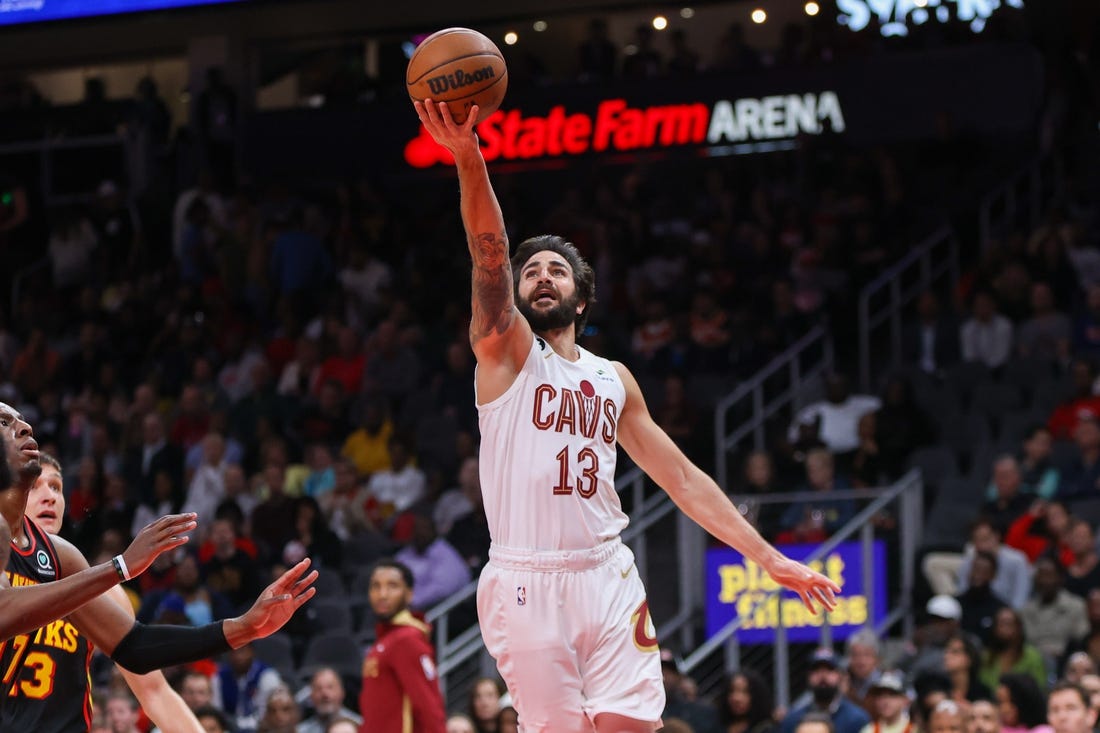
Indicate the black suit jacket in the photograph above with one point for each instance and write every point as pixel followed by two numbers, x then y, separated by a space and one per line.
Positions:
pixel 945 344
pixel 168 459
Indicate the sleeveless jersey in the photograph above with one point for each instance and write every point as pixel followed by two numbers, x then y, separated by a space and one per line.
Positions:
pixel 548 451
pixel 45 673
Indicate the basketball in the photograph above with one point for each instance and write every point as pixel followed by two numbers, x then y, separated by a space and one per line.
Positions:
pixel 461 67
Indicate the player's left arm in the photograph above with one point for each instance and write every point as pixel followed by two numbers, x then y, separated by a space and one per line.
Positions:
pixel 160 702
pixel 700 498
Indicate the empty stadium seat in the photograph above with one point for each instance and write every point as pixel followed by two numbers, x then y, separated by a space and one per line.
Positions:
pixel 995 400
pixel 1026 374
pixel 1015 428
pixel 340 651
pixel 957 505
pixel 276 651
pixel 964 433
pixel 981 463
pixel 328 583
pixel 329 615
pixel 935 462
pixel 962 379
pixel 1049 393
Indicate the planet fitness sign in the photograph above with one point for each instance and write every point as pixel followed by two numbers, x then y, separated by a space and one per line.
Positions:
pixel 735 587
pixel 617 126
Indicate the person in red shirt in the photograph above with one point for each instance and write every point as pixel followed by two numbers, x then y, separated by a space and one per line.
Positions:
pixel 1082 403
pixel 400 691
pixel 1041 530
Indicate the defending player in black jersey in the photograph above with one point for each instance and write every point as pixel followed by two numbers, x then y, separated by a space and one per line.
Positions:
pixel 67 706
pixel 24 609
pixel 134 646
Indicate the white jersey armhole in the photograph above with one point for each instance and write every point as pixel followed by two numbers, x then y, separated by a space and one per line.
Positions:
pixel 514 387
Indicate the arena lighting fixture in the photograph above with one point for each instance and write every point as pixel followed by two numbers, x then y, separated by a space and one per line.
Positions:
pixel 511 38
pixel 687 13
pixel 812 8
pixel 539 26
pixel 759 16
pixel 660 22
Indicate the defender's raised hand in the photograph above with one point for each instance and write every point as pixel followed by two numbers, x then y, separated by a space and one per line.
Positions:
pixel 273 608
pixel 166 533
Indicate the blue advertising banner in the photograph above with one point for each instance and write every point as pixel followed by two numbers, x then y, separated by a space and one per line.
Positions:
pixel 31 11
pixel 735 586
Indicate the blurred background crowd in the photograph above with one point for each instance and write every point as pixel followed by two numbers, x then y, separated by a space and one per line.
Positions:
pixel 287 357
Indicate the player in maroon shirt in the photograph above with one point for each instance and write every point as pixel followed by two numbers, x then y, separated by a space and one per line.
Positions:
pixel 400 685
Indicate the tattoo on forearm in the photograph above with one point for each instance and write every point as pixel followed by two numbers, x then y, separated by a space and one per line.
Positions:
pixel 492 284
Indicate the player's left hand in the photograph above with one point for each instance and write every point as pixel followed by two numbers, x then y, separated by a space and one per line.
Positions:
pixel 809 585
pixel 274 607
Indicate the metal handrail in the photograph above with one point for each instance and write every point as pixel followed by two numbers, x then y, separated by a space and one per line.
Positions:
pixel 58 142
pixel 1031 181
pixel 45 147
pixel 931 269
pixel 761 409
pixel 909 489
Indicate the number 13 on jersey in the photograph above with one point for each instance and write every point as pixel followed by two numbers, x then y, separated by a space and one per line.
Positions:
pixel 40 685
pixel 587 482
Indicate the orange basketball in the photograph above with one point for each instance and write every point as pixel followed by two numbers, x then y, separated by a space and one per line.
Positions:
pixel 461 67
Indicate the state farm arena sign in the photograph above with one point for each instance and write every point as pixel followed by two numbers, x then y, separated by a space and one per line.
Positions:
pixel 723 127
pixel 991 91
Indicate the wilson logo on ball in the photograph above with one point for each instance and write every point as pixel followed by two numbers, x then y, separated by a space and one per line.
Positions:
pixel 457 80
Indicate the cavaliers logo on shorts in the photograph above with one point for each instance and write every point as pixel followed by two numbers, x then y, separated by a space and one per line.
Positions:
pixel 645 636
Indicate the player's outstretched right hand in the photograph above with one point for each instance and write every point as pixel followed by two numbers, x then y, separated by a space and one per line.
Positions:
pixel 166 533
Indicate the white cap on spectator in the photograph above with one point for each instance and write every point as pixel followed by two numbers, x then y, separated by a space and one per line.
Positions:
pixel 944 606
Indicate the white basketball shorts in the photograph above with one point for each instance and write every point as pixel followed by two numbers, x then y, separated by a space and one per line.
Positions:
pixel 571 635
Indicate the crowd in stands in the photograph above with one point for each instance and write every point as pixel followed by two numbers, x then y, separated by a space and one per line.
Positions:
pixel 291 363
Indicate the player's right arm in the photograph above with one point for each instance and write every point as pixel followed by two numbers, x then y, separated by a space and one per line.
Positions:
pixel 142 648
pixel 27 608
pixel 160 702
pixel 501 338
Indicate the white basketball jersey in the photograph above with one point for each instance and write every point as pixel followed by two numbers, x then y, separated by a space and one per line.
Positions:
pixel 548 454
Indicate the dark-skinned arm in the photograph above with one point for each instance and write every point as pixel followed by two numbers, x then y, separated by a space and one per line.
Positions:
pixel 26 608
pixel 142 648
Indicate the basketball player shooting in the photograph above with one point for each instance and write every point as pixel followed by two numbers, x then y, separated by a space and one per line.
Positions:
pixel 560 604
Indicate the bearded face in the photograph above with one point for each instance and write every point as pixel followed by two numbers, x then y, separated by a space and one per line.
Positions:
pixel 546 293
pixel 546 316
